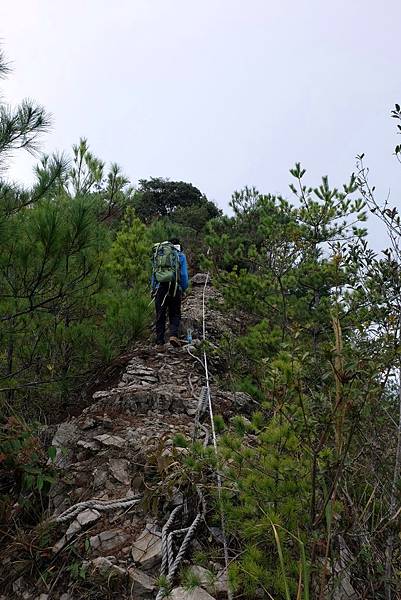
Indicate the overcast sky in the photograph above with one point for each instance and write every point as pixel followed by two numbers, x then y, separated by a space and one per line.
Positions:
pixel 221 93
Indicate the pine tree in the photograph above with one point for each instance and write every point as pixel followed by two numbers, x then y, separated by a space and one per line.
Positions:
pixel 298 273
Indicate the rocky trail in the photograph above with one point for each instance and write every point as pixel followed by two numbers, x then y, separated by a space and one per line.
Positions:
pixel 118 462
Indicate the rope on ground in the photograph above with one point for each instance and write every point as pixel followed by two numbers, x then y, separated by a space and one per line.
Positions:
pixel 168 559
pixel 100 505
pixel 165 531
pixel 209 397
pixel 170 565
pixel 200 409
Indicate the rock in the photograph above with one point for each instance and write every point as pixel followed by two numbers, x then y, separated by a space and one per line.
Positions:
pixel 214 584
pixel 147 548
pixel 202 575
pixel 66 437
pixel 107 422
pixel 242 399
pixel 342 567
pixel 18 585
pixel 101 394
pixel 107 540
pixel 59 545
pixel 72 529
pixel 87 445
pixel 105 567
pixel 110 440
pixel 220 584
pixel 141 583
pixel 177 499
pixel 118 468
pixel 200 279
pixel 88 516
pixel 149 379
pixel 87 424
pixel 197 593
pixel 84 518
pixel 131 435
pixel 99 478
pixel 65 597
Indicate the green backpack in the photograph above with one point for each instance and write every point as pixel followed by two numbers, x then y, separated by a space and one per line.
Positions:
pixel 166 263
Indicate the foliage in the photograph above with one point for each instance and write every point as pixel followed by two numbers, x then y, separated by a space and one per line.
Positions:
pixel 20 127
pixel 63 310
pixel 158 197
pixel 317 355
pixel 26 471
pixel 311 480
pixel 130 254
pixel 175 209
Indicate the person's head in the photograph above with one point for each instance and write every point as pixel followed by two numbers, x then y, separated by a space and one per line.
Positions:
pixel 176 243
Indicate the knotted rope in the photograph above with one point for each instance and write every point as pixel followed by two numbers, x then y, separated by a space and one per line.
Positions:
pixel 170 564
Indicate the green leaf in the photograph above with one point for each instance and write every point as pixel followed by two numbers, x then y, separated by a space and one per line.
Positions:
pixel 39 482
pixel 51 452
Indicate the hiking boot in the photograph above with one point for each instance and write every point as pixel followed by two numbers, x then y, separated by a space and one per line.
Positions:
pixel 160 346
pixel 174 341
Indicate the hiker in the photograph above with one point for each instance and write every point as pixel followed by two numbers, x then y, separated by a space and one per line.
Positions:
pixel 169 281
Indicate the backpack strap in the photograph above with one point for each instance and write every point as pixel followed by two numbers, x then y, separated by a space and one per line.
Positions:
pixel 155 251
pixel 177 268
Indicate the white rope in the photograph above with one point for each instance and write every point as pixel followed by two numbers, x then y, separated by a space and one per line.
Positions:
pixel 193 355
pixel 165 531
pixel 167 536
pixel 101 505
pixel 209 396
pixel 167 557
pixel 202 400
pixel 170 550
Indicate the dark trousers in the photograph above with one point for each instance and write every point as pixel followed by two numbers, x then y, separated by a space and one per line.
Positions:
pixel 166 301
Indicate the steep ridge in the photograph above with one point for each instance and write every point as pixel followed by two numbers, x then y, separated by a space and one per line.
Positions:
pixel 115 462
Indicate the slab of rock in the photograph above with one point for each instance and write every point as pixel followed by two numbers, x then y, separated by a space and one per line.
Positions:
pixel 73 529
pixel 141 583
pixel 102 394
pixel 87 445
pixel 88 516
pixel 65 438
pixel 88 423
pixel 118 468
pixel 147 548
pixel 197 593
pixel 203 576
pixel 103 565
pixel 59 545
pixel 214 584
pixel 99 478
pixel 107 540
pixel 110 440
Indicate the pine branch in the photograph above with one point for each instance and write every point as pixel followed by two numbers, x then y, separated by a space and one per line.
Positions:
pixel 4 66
pixel 21 127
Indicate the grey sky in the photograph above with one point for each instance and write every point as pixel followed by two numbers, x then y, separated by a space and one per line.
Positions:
pixel 222 93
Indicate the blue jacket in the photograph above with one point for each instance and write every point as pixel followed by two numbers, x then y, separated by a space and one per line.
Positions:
pixel 184 279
